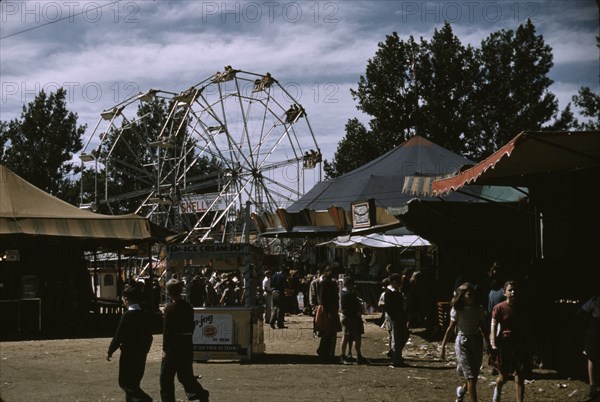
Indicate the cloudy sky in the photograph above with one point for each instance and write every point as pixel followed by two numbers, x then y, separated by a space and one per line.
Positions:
pixel 104 52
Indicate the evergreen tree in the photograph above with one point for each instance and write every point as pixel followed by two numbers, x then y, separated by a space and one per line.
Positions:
pixel 39 145
pixel 3 140
pixel 470 101
pixel 514 95
pixel 447 79
pixel 387 92
pixel 351 150
pixel 589 104
pixel 564 121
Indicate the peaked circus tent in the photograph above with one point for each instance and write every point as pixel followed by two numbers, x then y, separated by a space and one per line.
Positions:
pixel 392 179
pixel 386 184
pixel 28 212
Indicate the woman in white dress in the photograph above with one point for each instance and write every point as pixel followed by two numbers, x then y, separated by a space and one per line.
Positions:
pixel 467 317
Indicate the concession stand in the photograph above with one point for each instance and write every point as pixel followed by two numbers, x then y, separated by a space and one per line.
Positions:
pixel 229 333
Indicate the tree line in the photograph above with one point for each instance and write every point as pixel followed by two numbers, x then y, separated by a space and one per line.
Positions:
pixel 468 100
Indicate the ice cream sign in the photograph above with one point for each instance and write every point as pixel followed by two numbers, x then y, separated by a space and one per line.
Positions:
pixel 212 329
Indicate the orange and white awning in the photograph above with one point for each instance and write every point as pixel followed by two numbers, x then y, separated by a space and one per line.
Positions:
pixel 527 156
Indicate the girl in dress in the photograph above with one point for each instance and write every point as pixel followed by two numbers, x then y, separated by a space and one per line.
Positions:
pixel 467 317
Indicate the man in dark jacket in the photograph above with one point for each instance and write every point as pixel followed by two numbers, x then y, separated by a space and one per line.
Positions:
pixel 393 306
pixel 278 282
pixel 328 297
pixel 134 337
pixel 178 348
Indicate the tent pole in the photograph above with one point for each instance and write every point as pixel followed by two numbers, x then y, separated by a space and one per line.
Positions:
pixel 119 273
pixel 149 283
pixel 95 275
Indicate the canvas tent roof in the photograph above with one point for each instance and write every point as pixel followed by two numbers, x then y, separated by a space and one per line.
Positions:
pixel 403 174
pixel 555 167
pixel 27 211
pixel 527 156
pixel 558 169
pixel 390 178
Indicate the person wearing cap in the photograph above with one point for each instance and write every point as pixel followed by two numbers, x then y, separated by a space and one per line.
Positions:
pixel 134 337
pixel 177 356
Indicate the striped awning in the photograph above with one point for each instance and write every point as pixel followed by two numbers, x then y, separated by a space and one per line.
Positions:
pixel 127 227
pixel 29 211
pixel 527 156
pixel 419 185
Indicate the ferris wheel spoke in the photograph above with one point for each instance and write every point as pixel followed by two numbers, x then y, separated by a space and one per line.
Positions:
pixel 245 114
pixel 278 183
pixel 288 128
pixel 273 148
pixel 232 146
pixel 271 200
pixel 138 167
pixel 263 136
pixel 144 176
pixel 209 147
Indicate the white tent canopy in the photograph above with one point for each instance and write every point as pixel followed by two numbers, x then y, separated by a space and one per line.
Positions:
pixel 377 240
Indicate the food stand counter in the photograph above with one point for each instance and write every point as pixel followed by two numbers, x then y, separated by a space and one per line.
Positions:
pixel 224 332
pixel 229 333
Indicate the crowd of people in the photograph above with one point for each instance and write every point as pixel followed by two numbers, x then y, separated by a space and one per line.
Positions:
pixel 489 317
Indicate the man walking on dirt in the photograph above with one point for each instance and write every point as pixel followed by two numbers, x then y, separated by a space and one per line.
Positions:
pixel 134 337
pixel 177 347
pixel 393 305
pixel 278 282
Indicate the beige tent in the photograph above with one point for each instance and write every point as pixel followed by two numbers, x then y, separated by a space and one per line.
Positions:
pixel 28 212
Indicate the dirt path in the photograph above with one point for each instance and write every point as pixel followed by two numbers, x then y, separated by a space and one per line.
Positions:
pixel 76 370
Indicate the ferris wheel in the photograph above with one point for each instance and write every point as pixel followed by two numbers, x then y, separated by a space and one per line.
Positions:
pixel 199 161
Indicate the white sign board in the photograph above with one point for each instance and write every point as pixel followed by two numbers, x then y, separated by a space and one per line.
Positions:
pixel 194 203
pixel 213 333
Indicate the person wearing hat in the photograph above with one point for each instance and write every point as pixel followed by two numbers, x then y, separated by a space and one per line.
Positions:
pixel 134 338
pixel 177 357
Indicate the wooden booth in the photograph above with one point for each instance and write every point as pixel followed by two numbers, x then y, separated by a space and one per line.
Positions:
pixel 229 333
